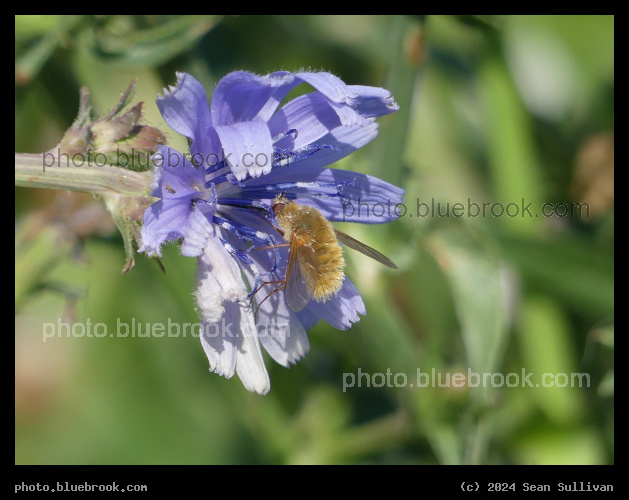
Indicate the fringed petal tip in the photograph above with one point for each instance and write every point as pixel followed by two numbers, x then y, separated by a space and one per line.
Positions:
pixel 342 311
pixel 185 109
pixel 150 252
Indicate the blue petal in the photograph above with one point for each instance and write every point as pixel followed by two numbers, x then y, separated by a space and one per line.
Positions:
pixel 372 101
pixel 332 87
pixel 353 105
pixel 363 100
pixel 219 281
pixel 280 331
pixel 307 318
pixel 232 345
pixel 311 115
pixel 343 310
pixel 242 96
pixel 196 234
pixel 221 349
pixel 229 336
pixel 344 140
pixel 167 220
pixel 185 109
pixel 248 148
pixel 369 200
pixel 362 198
pixel 249 361
pixel 158 229
pixel 174 175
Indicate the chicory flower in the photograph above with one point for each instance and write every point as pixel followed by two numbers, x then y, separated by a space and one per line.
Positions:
pixel 244 150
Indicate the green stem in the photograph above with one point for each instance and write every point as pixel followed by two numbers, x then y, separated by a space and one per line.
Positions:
pixel 30 171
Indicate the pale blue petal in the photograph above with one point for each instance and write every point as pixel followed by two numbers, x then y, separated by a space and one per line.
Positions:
pixel 219 348
pixel 162 222
pixel 280 331
pixel 231 345
pixel 343 310
pixel 372 101
pixel 248 148
pixel 311 115
pixel 343 141
pixel 363 100
pixel 242 96
pixel 249 362
pixel 185 109
pixel 229 337
pixel 364 198
pixel 331 86
pixel 196 234
pixel 167 220
pixel 307 318
pixel 174 175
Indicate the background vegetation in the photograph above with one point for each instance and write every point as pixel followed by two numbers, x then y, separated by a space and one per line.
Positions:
pixel 492 109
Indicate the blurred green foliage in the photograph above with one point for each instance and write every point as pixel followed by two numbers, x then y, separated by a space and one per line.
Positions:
pixel 492 109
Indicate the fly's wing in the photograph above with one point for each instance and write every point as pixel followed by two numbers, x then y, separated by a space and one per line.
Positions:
pixel 347 240
pixel 302 275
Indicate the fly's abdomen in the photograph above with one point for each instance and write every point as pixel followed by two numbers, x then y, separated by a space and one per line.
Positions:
pixel 331 261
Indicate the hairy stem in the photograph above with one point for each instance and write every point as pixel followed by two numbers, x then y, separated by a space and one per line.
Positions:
pixel 31 171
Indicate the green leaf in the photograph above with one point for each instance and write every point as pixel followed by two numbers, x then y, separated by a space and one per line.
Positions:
pixel 481 290
pixel 548 353
pixel 149 47
pixel 570 268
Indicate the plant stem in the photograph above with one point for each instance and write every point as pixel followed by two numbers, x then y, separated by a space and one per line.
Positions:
pixel 30 171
